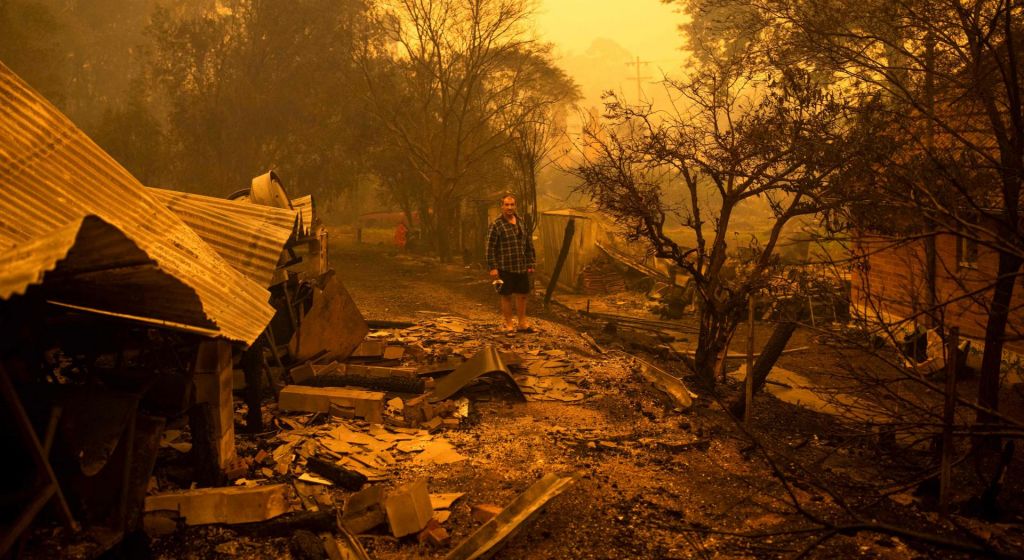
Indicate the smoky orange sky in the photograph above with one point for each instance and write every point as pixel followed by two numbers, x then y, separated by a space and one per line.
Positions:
pixel 595 39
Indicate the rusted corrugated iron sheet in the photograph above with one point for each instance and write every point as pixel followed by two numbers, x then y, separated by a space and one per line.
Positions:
pixel 304 205
pixel 90 264
pixel 52 175
pixel 249 236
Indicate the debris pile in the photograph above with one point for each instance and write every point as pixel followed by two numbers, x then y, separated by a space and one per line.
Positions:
pixel 601 277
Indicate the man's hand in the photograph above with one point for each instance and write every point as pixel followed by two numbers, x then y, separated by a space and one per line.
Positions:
pixel 494 273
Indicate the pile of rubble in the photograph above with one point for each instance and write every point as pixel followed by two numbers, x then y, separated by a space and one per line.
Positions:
pixel 345 429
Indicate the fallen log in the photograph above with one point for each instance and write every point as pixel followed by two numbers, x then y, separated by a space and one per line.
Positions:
pixel 349 480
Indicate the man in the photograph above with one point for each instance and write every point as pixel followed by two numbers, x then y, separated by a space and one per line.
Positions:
pixel 511 258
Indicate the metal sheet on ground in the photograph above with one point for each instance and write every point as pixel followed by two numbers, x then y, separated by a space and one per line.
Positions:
pixel 486 540
pixel 486 361
pixel 333 323
pixel 666 383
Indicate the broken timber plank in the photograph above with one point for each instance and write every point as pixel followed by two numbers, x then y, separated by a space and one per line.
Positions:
pixel 368 405
pixel 346 544
pixel 345 547
pixel 223 505
pixel 733 355
pixel 485 540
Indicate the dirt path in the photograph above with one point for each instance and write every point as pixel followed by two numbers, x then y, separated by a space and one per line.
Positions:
pixel 648 479
pixel 401 287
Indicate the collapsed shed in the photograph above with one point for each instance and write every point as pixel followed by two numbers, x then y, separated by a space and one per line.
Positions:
pixel 594 241
pixel 119 305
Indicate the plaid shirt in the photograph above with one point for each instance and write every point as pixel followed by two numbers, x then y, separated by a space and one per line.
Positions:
pixel 509 248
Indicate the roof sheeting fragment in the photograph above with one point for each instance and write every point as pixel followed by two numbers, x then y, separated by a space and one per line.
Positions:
pixel 250 237
pixel 304 205
pixel 90 264
pixel 52 175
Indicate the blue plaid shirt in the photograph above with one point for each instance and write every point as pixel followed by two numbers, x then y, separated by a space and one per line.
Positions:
pixel 509 248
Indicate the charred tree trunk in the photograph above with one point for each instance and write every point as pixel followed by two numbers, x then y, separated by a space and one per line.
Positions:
pixel 444 246
pixel 445 226
pixel 570 227
pixel 995 329
pixel 530 198
pixel 769 355
pixel 716 327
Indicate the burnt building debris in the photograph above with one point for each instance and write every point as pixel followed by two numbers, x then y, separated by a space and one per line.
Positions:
pixel 131 317
pixel 124 310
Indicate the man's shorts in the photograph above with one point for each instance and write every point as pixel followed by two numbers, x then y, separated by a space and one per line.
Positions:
pixel 514 283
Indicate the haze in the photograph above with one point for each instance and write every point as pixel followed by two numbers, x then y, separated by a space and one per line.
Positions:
pixel 595 39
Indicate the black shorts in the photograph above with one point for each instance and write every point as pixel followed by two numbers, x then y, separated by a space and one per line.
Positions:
pixel 514 282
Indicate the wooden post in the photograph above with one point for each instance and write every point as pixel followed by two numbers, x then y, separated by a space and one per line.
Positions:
pixel 748 384
pixel 952 347
pixel 570 227
pixel 212 380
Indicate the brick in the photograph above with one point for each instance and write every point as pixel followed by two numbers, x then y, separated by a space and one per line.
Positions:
pixel 364 510
pixel 394 352
pixel 263 457
pixel 485 512
pixel 368 405
pixel 302 373
pixel 408 508
pixel 434 534
pixel 418 410
pixel 432 425
pixel 238 468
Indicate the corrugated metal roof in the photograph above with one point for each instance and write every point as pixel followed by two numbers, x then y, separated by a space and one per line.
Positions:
pixel 570 212
pixel 250 237
pixel 52 174
pixel 91 264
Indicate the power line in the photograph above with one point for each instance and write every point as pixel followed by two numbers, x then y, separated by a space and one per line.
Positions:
pixel 639 79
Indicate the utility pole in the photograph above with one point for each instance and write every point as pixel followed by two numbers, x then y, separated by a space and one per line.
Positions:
pixel 639 79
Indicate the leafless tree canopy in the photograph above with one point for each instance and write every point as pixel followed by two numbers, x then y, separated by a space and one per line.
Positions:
pixel 744 131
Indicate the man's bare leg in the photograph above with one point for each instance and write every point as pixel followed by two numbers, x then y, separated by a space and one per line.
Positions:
pixel 506 312
pixel 521 310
